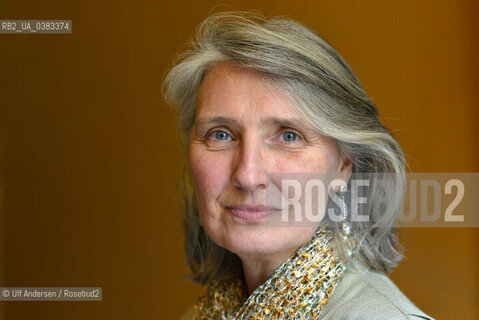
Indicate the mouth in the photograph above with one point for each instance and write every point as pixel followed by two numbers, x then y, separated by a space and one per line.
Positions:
pixel 250 212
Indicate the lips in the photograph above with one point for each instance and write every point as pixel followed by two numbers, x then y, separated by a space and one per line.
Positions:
pixel 249 212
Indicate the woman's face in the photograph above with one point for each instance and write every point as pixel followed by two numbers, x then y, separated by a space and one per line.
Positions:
pixel 244 132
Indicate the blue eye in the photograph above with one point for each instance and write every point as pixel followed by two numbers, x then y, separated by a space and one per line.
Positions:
pixel 221 135
pixel 289 136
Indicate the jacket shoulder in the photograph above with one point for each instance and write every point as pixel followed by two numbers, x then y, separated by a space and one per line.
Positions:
pixel 365 294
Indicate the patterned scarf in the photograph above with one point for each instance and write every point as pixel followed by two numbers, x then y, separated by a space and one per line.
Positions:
pixel 298 289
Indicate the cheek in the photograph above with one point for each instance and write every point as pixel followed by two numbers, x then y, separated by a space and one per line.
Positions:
pixel 323 159
pixel 310 161
pixel 210 174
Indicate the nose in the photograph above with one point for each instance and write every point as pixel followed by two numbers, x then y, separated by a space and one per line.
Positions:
pixel 249 172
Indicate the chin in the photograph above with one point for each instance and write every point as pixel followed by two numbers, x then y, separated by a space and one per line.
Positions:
pixel 260 241
pixel 255 240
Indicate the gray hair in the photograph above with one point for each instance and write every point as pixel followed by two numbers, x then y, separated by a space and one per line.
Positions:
pixel 326 92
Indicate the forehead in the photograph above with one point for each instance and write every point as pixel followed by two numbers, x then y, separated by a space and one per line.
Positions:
pixel 227 89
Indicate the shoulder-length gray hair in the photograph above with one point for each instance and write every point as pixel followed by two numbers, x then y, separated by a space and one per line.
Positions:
pixel 324 89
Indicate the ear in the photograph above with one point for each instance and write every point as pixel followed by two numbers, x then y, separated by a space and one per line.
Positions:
pixel 345 168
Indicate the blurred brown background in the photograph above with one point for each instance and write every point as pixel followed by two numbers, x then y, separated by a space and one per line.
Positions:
pixel 90 159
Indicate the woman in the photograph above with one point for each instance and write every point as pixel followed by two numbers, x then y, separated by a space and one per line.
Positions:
pixel 260 100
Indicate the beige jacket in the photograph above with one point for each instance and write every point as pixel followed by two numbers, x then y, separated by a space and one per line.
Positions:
pixel 364 295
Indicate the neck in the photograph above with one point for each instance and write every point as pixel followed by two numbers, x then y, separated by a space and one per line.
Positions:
pixel 257 271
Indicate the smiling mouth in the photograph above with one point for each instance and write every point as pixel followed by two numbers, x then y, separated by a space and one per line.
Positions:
pixel 250 212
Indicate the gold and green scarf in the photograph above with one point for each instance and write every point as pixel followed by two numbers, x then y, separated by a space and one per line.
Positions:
pixel 298 289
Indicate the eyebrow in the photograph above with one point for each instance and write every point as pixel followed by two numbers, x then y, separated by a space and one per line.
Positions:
pixel 285 122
